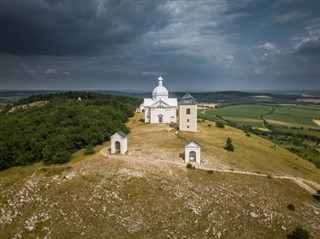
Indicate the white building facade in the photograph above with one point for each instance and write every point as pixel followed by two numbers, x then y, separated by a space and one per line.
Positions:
pixel 119 143
pixel 161 108
pixel 192 151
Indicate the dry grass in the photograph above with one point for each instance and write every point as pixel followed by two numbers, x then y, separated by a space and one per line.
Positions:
pixel 317 122
pixel 149 193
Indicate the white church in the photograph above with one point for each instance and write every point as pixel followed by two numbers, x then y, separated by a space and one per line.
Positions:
pixel 161 108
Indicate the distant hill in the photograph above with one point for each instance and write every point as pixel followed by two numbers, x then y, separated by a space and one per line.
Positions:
pixel 202 97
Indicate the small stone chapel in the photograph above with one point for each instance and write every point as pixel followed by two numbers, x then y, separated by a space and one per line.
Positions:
pixel 119 143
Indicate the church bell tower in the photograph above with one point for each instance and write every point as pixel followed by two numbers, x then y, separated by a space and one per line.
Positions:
pixel 188 115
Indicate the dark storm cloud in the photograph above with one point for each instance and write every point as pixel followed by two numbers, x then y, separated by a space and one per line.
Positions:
pixel 74 28
pixel 309 48
pixel 124 45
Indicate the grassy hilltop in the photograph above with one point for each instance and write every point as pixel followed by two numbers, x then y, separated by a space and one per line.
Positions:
pixel 149 193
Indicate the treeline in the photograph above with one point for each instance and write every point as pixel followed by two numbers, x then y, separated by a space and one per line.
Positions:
pixel 66 123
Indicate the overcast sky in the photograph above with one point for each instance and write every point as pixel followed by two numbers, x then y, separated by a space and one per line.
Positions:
pixel 125 45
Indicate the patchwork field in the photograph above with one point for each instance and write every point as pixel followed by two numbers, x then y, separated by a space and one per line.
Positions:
pixel 240 114
pixel 292 126
pixel 294 116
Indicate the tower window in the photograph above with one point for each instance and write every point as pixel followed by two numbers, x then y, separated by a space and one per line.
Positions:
pixel 188 120
pixel 188 111
pixel 188 126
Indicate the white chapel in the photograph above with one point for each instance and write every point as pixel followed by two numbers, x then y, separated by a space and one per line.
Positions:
pixel 161 108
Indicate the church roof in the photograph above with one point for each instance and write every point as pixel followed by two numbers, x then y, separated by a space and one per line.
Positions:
pixel 187 99
pixel 160 90
pixel 169 101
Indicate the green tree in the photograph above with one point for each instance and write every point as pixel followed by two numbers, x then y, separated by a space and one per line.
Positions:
pixel 55 130
pixel 220 124
pixel 229 146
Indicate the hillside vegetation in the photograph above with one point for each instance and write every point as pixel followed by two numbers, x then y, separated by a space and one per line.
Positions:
pixel 291 126
pixel 53 130
pixel 149 193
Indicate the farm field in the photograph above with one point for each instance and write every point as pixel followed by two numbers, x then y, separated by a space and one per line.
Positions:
pixel 240 114
pixel 292 126
pixel 294 116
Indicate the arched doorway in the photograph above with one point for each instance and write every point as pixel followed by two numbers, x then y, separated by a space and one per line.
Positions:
pixel 192 156
pixel 117 146
pixel 160 118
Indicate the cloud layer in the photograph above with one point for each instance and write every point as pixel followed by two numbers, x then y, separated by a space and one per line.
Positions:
pixel 125 45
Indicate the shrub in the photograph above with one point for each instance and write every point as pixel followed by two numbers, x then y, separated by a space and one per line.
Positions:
pixel 210 171
pixel 189 166
pixel 291 207
pixel 88 150
pixel 209 125
pixel 298 233
pixel 229 146
pixel 317 195
pixel 248 134
pixel 220 124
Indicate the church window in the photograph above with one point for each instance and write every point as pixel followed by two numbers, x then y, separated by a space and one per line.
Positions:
pixel 188 111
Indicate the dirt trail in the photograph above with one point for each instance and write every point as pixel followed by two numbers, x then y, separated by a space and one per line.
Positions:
pixel 148 162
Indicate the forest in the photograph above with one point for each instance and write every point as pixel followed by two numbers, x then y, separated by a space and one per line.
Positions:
pixel 51 127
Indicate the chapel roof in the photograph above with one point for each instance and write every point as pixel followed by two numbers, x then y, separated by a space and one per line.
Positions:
pixel 120 132
pixel 192 143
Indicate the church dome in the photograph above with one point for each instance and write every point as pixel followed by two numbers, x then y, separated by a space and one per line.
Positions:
pixel 160 91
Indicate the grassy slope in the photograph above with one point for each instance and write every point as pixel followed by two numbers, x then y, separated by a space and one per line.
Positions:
pixel 150 193
pixel 253 153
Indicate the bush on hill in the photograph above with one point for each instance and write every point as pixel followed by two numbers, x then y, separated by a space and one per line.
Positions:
pixel 298 233
pixel 291 207
pixel 229 146
pixel 220 124
pixel 52 132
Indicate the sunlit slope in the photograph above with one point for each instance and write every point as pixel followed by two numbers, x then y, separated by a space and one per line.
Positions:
pixel 149 193
pixel 252 153
pixel 101 197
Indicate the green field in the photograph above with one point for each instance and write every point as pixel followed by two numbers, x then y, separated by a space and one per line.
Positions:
pixel 291 126
pixel 294 116
pixel 240 114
